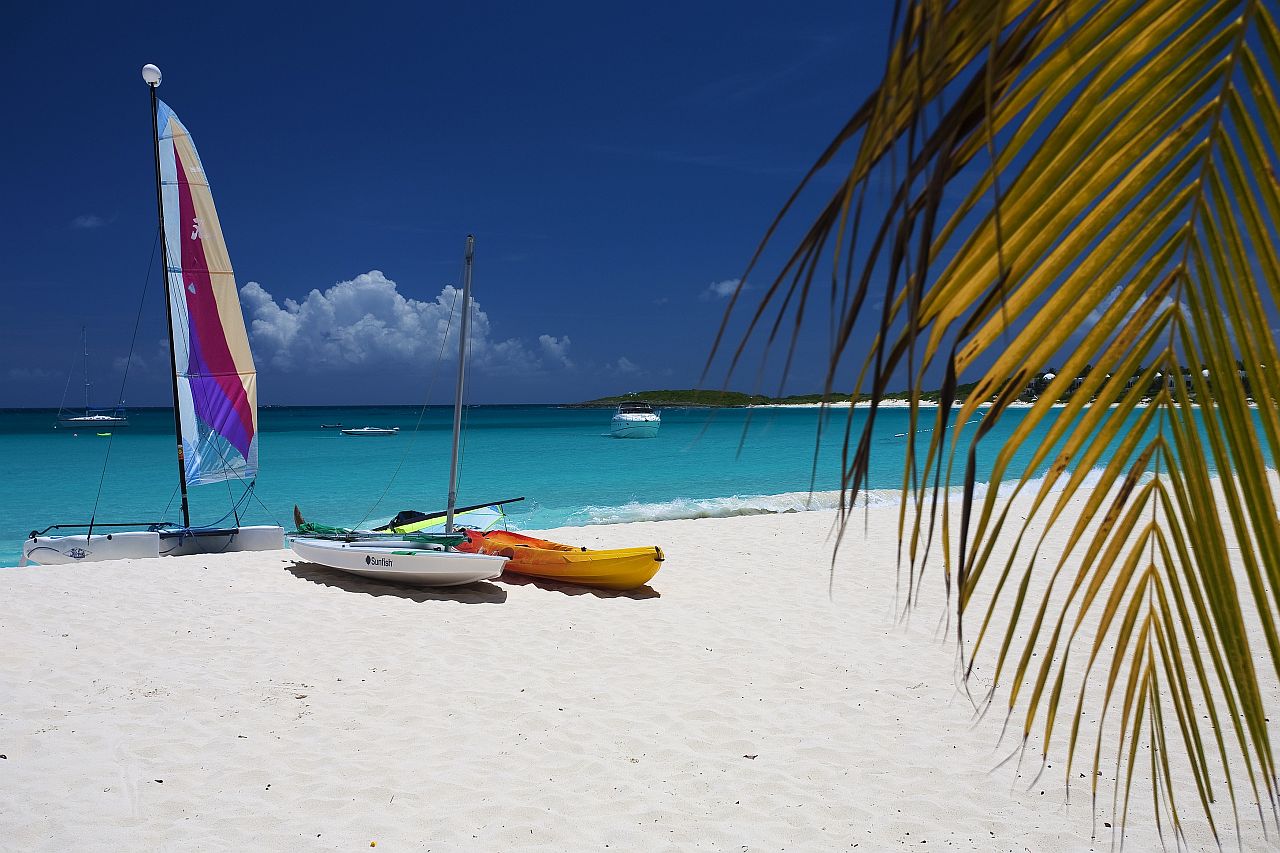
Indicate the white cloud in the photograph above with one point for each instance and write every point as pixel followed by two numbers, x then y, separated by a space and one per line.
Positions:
pixel 1094 317
pixel 626 365
pixel 29 374
pixel 88 221
pixel 137 362
pixel 556 349
pixel 367 321
pixel 721 289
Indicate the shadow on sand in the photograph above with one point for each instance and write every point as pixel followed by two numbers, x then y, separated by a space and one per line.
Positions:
pixel 642 593
pixel 480 592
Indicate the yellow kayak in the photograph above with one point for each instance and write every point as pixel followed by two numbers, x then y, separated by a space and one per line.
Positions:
pixel 616 568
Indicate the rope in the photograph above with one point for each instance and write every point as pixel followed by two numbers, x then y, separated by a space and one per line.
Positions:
pixel 106 456
pixel 137 321
pixel 65 388
pixel 435 374
pixel 466 409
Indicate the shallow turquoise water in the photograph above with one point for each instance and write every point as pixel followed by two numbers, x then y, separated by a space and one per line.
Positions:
pixel 563 461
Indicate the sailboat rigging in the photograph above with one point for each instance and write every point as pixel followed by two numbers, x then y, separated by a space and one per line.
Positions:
pixel 414 547
pixel 214 381
pixel 100 418
pixel 424 559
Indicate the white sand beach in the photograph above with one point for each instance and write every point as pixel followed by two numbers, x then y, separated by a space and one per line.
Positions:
pixel 243 702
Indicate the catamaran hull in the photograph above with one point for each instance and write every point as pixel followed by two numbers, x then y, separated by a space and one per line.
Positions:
pixel 400 562
pixel 141 544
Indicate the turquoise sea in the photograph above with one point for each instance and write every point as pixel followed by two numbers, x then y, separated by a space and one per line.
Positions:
pixel 562 460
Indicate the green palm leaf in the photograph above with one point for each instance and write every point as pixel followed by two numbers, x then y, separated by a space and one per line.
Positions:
pixel 1091 182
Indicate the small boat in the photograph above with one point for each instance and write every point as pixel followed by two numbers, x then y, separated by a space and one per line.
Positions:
pixel 615 568
pixel 408 557
pixel 399 559
pixel 636 420
pixel 213 378
pixel 331 426
pixel 97 418
pixel 483 525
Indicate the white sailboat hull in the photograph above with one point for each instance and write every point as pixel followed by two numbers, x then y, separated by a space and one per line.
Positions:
pixel 93 421
pixel 141 544
pixel 399 561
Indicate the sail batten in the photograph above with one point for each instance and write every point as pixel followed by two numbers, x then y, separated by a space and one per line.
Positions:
pixel 217 380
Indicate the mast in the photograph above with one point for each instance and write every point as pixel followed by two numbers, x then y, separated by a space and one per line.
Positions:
pixel 151 75
pixel 462 375
pixel 84 339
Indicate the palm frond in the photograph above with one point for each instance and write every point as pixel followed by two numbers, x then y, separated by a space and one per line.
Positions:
pixel 1091 182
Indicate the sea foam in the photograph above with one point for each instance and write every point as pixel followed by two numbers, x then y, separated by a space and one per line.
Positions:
pixel 787 502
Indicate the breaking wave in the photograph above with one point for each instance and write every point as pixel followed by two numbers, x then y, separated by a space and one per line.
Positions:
pixel 737 505
pixel 726 507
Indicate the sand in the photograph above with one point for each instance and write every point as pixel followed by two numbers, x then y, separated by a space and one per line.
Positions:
pixel 241 702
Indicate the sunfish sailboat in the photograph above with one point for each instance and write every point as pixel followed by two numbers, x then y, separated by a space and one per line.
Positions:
pixel 484 528
pixel 423 559
pixel 214 379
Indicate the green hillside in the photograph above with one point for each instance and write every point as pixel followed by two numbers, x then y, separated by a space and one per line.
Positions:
pixel 720 399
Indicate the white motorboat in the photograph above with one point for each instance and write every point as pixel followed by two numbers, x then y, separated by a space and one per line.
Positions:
pixel 636 420
pixel 415 558
pixel 214 381
pixel 371 431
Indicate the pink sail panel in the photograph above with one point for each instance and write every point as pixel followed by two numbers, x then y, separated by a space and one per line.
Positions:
pixel 217 381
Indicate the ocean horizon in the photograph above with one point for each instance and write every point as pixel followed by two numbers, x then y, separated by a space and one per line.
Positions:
pixel 562 460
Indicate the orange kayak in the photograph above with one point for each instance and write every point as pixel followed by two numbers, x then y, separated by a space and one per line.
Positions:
pixel 617 568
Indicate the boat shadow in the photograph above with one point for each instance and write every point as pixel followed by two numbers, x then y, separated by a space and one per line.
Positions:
pixel 480 592
pixel 642 593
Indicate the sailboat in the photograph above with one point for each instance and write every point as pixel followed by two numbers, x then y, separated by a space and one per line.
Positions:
pixel 113 418
pixel 214 381
pixel 422 559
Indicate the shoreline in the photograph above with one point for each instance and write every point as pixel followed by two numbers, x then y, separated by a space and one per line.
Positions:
pixel 718 507
pixel 246 701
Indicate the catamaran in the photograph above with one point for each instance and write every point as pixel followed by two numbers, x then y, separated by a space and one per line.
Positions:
pixel 214 381
pixel 423 559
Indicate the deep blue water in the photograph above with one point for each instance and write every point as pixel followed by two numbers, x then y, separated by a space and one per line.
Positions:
pixel 563 461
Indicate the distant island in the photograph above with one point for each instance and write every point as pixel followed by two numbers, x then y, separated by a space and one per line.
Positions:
pixel 1038 385
pixel 695 398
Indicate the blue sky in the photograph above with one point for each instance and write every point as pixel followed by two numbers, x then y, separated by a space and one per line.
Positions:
pixel 615 163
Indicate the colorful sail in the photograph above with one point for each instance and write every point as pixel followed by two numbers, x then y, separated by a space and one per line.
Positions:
pixel 217 382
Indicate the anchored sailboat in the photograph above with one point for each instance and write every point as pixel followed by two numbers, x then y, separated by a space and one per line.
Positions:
pixel 214 381
pixel 424 559
pixel 99 418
